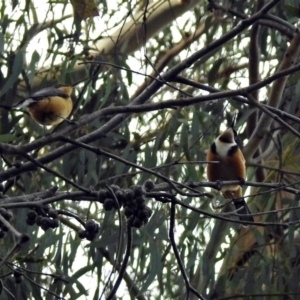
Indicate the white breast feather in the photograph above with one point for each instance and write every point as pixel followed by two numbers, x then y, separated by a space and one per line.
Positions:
pixel 223 148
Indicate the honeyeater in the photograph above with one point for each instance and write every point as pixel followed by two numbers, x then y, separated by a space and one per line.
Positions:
pixel 230 166
pixel 49 106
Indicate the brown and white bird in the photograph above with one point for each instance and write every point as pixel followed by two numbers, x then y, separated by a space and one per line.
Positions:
pixel 231 166
pixel 49 106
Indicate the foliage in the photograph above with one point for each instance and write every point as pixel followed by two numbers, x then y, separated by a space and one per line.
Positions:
pixel 116 200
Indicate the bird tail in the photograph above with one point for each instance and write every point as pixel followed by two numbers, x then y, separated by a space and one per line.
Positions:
pixel 243 210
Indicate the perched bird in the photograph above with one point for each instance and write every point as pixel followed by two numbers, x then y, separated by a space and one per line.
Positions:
pixel 49 106
pixel 231 166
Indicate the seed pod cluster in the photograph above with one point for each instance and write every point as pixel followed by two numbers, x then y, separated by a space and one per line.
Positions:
pixel 132 200
pixel 109 203
pixel 91 230
pixel 18 275
pixel 135 209
pixel 45 217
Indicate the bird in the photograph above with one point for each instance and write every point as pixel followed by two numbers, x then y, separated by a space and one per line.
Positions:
pixel 230 166
pixel 50 105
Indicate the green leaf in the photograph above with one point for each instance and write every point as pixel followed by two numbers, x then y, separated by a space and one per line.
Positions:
pixel 32 66
pixel 154 266
pixel 211 76
pixel 1 42
pixel 292 9
pixel 16 70
pixel 6 138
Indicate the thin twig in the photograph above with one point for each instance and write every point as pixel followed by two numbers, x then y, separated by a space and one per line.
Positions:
pixel 119 246
pixel 23 238
pixel 126 162
pixel 188 286
pixel 167 198
pixel 124 264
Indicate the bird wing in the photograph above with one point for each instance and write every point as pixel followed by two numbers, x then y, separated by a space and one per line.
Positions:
pixel 40 95
pixel 48 92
